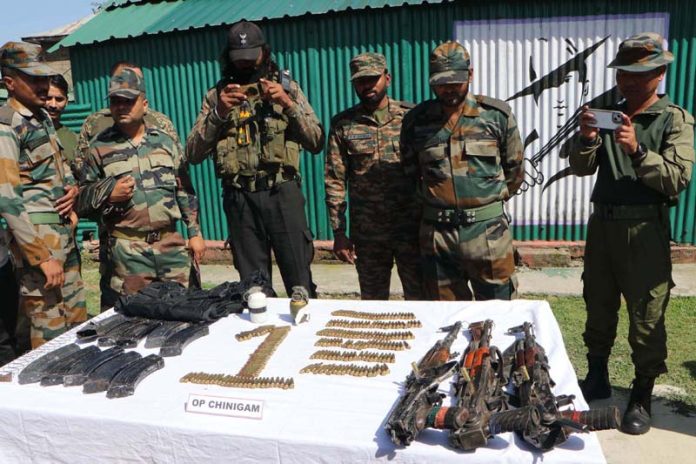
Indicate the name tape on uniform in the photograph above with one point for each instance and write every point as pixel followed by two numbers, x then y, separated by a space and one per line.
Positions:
pixel 225 406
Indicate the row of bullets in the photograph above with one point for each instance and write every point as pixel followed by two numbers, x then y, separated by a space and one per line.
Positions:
pixel 238 381
pixel 363 344
pixel 351 356
pixel 366 334
pixel 259 358
pixel 384 325
pixel 346 369
pixel 373 316
pixel 257 332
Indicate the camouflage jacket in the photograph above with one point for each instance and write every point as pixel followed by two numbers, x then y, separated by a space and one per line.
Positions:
pixel 101 120
pixel 666 130
pixel 475 163
pixel 156 164
pixel 365 155
pixel 303 128
pixel 33 174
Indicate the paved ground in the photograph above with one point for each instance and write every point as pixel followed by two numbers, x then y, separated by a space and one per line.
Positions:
pixel 672 438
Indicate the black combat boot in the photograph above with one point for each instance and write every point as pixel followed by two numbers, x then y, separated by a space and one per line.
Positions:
pixel 596 385
pixel 636 419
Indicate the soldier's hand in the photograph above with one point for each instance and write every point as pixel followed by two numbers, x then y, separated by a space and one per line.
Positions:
pixel 197 247
pixel 53 271
pixel 586 120
pixel 274 91
pixel 73 220
pixel 229 97
pixel 64 204
pixel 344 249
pixel 625 136
pixel 123 190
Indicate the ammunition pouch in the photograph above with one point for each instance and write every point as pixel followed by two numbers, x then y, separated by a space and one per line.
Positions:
pixel 261 181
pixel 462 217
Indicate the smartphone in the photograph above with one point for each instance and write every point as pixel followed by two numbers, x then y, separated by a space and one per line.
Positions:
pixel 606 119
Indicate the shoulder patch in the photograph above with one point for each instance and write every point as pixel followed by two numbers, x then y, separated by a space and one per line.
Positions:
pixel 494 103
pixel 6 114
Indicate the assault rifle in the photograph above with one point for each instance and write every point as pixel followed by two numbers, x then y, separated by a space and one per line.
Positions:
pixel 478 414
pixel 533 384
pixel 409 416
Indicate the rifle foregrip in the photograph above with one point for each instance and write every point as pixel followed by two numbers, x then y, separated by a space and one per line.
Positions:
pixel 596 419
pixel 520 419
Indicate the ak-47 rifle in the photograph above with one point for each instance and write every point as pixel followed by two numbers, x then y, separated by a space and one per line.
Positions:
pixel 533 384
pixel 409 416
pixel 478 414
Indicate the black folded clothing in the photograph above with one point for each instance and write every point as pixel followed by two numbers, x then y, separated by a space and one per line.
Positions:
pixel 172 301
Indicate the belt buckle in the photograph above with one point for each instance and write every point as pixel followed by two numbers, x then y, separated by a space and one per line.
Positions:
pixel 152 237
pixel 464 217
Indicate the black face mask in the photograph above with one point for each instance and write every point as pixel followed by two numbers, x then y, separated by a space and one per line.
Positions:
pixel 249 75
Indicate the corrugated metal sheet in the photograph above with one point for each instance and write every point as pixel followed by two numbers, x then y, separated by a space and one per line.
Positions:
pixel 180 66
pixel 128 19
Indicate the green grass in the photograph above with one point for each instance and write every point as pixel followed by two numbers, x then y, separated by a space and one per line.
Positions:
pixel 681 345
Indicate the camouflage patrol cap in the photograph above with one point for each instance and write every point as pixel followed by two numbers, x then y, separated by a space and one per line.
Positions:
pixel 367 65
pixel 642 52
pixel 127 84
pixel 449 64
pixel 25 57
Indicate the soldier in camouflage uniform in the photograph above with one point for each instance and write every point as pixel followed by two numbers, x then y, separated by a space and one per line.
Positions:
pixel 33 178
pixel 132 177
pixel 254 122
pixel 641 168
pixel 93 125
pixel 467 154
pixel 384 211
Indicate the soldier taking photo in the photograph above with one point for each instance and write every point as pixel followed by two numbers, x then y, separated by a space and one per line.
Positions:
pixel 254 123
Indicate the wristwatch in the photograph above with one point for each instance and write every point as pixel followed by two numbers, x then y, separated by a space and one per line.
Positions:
pixel 640 153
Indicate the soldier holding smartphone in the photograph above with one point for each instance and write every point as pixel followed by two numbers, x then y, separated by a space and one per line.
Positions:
pixel 642 166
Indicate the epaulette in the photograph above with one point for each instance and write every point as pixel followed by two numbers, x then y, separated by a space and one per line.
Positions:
pixel 688 117
pixel 494 103
pixel 6 114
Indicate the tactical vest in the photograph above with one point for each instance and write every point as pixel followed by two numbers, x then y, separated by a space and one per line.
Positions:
pixel 254 140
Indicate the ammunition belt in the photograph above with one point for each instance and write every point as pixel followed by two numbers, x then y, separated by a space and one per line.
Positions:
pixel 260 181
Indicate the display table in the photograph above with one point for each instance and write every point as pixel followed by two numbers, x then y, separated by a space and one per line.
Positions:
pixel 327 419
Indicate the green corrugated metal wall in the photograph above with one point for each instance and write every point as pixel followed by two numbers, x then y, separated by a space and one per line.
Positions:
pixel 180 66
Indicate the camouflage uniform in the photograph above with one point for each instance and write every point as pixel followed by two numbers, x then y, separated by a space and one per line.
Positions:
pixel 627 250
pixel 466 171
pixel 93 125
pixel 256 150
pixel 384 211
pixel 144 245
pixel 33 174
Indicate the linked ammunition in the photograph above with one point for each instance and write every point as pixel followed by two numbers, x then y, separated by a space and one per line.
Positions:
pixel 346 369
pixel 364 334
pixel 373 316
pixel 363 344
pixel 351 356
pixel 383 325
pixel 238 381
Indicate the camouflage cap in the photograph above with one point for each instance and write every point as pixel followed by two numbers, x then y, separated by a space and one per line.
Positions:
pixel 127 84
pixel 25 57
pixel 367 65
pixel 642 52
pixel 449 64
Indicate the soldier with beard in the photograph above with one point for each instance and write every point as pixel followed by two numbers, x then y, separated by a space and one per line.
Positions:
pixel 254 122
pixel 466 152
pixel 384 211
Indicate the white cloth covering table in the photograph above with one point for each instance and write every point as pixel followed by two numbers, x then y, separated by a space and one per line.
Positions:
pixel 328 419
